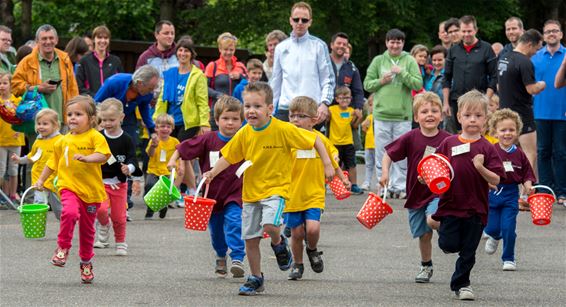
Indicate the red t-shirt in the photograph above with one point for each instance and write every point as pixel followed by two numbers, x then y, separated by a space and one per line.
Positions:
pixel 521 168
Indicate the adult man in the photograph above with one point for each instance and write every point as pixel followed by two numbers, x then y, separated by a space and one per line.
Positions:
pixel 452 28
pixel 271 41
pixel 7 54
pixel 443 36
pixel 391 76
pixel 550 110
pixel 161 54
pixel 471 64
pixel 517 84
pixel 302 67
pixel 513 30
pixel 49 70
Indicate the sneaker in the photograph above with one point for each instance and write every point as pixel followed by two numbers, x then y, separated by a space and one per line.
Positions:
pixel 87 275
pixel 465 294
pixel 221 270
pixel 60 257
pixel 102 235
pixel 287 231
pixel 283 254
pixel 317 265
pixel 252 286
pixel 356 189
pixel 237 269
pixel 99 244
pixel 121 249
pixel 424 275
pixel 491 245
pixel 509 266
pixel 296 271
pixel 402 195
pixel 180 203
pixel 149 214
pixel 128 217
pixel 365 186
pixel 163 213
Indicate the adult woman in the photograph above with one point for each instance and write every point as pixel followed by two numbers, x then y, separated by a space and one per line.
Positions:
pixel 433 81
pixel 76 49
pixel 99 65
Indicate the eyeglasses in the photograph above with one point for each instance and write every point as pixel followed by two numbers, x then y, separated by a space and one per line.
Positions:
pixel 302 20
pixel 298 116
pixel 553 31
pixel 344 98
pixel 453 31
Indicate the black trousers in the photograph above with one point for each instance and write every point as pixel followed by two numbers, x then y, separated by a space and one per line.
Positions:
pixel 462 236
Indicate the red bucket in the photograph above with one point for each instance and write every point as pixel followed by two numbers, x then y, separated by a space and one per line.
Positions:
pixel 437 172
pixel 338 188
pixel 541 206
pixel 373 211
pixel 198 210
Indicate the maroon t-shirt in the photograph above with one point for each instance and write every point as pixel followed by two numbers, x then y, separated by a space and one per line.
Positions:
pixel 521 168
pixel 468 193
pixel 226 186
pixel 413 145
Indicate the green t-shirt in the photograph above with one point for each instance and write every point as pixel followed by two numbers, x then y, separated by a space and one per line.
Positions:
pixel 50 71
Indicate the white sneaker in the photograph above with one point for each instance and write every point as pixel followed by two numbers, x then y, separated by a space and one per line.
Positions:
pixel 466 294
pixel 103 232
pixel 121 249
pixel 180 204
pixel 365 186
pixel 509 266
pixel 99 244
pixel 424 275
pixel 484 236
pixel 491 245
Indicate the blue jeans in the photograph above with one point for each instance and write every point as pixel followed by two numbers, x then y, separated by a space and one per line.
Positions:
pixel 551 150
pixel 502 218
pixel 226 232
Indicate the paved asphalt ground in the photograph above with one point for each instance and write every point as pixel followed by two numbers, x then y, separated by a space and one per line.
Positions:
pixel 168 265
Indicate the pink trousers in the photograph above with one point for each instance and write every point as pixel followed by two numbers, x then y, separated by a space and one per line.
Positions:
pixel 117 202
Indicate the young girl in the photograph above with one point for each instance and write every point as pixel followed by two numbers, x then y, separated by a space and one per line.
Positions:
pixel 77 158
pixel 503 202
pixel 47 126
pixel 367 127
pixel 10 142
pixel 115 171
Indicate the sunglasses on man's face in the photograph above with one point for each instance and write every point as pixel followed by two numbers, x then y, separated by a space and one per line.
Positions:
pixel 302 20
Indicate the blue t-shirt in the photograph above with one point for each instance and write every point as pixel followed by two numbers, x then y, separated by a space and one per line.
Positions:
pixel 175 108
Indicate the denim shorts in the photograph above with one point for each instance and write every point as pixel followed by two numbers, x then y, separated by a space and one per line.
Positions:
pixel 417 218
pixel 296 219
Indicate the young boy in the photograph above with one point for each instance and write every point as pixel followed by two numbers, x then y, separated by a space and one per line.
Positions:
pixel 226 221
pixel 342 119
pixel 303 210
pixel 255 71
pixel 159 151
pixel 369 145
pixel 462 210
pixel 414 145
pixel 267 143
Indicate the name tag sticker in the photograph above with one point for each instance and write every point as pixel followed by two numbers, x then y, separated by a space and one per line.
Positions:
pixel 508 166
pixel 213 156
pixel 111 160
pixel 240 171
pixel 460 149
pixel 163 156
pixel 37 155
pixel 306 154
pixel 429 150
pixel 345 114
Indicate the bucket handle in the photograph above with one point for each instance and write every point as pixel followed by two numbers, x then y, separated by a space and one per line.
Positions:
pixel 447 163
pixel 545 187
pixel 384 194
pixel 171 179
pixel 24 197
pixel 201 183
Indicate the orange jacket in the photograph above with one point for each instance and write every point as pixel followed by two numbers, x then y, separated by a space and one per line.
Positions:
pixel 27 73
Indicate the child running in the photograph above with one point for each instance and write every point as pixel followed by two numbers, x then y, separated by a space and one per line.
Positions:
pixel 47 126
pixel 503 202
pixel 121 164
pixel 267 143
pixel 462 210
pixel 414 145
pixel 226 221
pixel 304 208
pixel 77 158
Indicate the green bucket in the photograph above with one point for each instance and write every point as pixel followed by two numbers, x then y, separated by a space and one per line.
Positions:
pixel 162 193
pixel 33 218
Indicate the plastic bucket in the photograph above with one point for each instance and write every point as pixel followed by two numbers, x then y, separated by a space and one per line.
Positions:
pixel 198 210
pixel 541 206
pixel 33 218
pixel 162 193
pixel 338 188
pixel 374 210
pixel 437 172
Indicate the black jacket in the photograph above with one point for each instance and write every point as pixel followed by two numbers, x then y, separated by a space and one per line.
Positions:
pixel 88 72
pixel 349 76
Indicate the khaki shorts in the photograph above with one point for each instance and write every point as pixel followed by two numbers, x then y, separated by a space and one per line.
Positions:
pixel 255 215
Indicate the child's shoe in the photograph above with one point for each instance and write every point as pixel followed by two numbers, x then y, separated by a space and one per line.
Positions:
pixel 509 266
pixel 365 186
pixel 465 294
pixel 425 274
pixel 102 236
pixel 87 275
pixel 283 254
pixel 237 269
pixel 163 213
pixel 128 217
pixel 221 269
pixel 355 189
pixel 317 265
pixel 180 203
pixel 491 245
pixel 60 257
pixel 121 249
pixel 296 271
pixel 252 286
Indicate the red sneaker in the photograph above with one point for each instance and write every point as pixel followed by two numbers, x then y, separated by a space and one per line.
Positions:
pixel 87 275
pixel 60 257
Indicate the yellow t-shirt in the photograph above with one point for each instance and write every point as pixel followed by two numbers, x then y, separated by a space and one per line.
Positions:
pixel 269 149
pixel 145 132
pixel 491 139
pixel 307 178
pixel 83 179
pixel 370 140
pixel 9 137
pixel 340 125
pixel 41 152
pixel 157 164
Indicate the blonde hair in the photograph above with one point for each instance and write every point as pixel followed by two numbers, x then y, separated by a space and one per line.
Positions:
pixel 501 115
pixel 303 5
pixel 473 99
pixel 4 74
pixel 228 104
pixel 426 97
pixel 109 103
pixel 342 90
pixel 50 115
pixel 89 107
pixel 418 48
pixel 165 119
pixel 305 105
pixel 226 38
pixel 495 98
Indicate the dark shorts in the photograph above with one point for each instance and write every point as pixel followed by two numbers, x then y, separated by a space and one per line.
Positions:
pixel 347 155
pixel 181 134
pixel 528 127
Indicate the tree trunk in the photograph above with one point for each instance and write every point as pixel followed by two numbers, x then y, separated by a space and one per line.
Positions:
pixel 26 19
pixel 167 10
pixel 7 13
